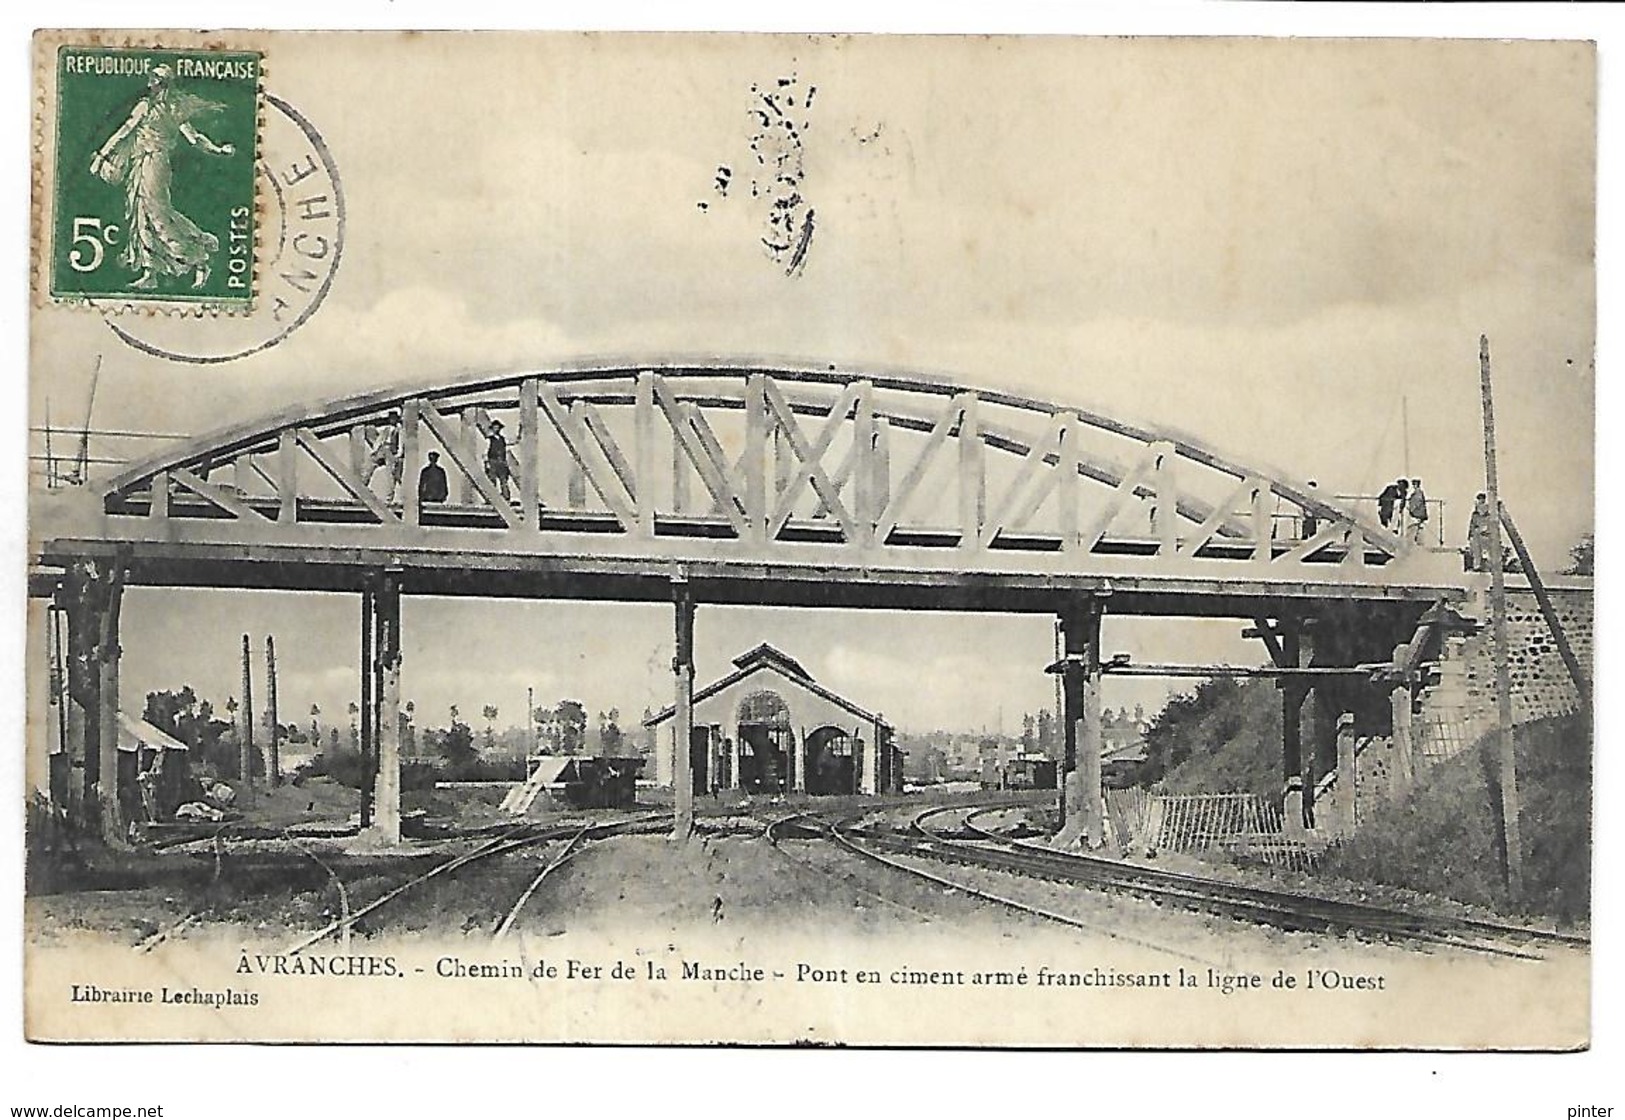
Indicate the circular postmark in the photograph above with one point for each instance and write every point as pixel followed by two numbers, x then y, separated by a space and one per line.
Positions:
pixel 302 241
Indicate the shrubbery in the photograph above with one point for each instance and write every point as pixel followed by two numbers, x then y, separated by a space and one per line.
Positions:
pixel 1224 737
pixel 346 767
pixel 1445 837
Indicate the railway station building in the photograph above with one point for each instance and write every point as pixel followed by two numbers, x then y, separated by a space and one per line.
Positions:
pixel 768 727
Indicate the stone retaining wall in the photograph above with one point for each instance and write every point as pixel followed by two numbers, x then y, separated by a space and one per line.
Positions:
pixel 1460 709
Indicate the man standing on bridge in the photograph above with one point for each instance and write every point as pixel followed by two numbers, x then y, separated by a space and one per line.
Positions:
pixel 432 485
pixel 1416 508
pixel 1390 500
pixel 496 459
pixel 1479 528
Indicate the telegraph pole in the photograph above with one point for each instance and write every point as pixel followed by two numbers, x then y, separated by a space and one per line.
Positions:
pixel 273 767
pixel 1505 751
pixel 245 727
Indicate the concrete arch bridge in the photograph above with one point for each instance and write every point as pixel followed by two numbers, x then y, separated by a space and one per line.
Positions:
pixel 720 482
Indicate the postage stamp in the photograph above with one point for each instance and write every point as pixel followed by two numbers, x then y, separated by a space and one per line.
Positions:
pixel 154 196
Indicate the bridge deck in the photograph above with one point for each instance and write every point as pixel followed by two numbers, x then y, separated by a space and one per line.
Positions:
pixel 888 583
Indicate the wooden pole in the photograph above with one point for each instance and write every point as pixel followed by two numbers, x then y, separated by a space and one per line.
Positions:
pixel 50 456
pixel 1505 751
pixel 273 769
pixel 245 725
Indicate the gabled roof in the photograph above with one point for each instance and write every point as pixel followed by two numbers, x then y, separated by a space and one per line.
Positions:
pixel 765 654
pixel 550 770
pixel 133 734
pixel 765 658
pixel 1128 752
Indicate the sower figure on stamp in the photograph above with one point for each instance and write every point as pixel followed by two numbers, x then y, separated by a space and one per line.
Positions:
pixel 159 239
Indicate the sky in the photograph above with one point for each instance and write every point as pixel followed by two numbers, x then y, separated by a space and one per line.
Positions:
pixel 1286 249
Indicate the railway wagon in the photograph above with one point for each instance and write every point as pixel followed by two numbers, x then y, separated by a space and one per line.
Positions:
pixel 580 783
pixel 1020 773
pixel 604 783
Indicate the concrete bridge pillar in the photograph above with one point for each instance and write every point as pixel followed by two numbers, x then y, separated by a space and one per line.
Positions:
pixel 1082 812
pixel 1402 760
pixel 1293 818
pixel 1295 653
pixel 90 598
pixel 1321 758
pixel 386 613
pixel 682 667
pixel 1347 776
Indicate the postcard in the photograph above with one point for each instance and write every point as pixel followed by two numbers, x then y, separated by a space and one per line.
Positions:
pixel 866 540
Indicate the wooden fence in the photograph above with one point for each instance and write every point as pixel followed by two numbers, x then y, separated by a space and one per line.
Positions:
pixel 1246 825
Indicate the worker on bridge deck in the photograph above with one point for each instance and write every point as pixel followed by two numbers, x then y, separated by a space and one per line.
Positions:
pixel 432 484
pixel 496 460
pixel 1391 501
pixel 1480 531
pixel 1416 509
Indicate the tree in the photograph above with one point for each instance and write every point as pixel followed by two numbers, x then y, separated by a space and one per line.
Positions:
pixel 1224 736
pixel 355 730
pixel 457 747
pixel 174 713
pixel 1046 733
pixel 611 737
pixel 1029 733
pixel 490 714
pixel 192 721
pixel 1583 557
pixel 316 725
pixel 572 719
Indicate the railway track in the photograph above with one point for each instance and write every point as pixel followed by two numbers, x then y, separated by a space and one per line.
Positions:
pixel 1281 909
pixel 505 842
pixel 774 833
pixel 573 847
pixel 865 842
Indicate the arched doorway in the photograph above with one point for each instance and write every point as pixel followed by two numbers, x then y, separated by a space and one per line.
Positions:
pixel 829 762
pixel 766 739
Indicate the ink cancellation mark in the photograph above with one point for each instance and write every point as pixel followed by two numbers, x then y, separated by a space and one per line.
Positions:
pixel 155 177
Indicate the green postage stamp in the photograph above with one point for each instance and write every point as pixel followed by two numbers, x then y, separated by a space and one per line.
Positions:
pixel 155 170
